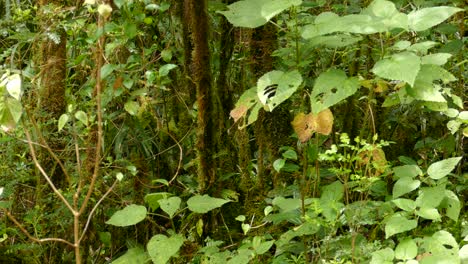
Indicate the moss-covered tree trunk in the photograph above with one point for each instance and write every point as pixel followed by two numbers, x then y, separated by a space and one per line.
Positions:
pixel 207 134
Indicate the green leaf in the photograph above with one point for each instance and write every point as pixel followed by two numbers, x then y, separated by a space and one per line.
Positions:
pixel 422 47
pixel 383 256
pixel 130 29
pixel 335 41
pixel 279 164
pixel 170 205
pixel 203 204
pixel 406 249
pixel 426 18
pixel 13 86
pixel 405 204
pixel 136 255
pixel 436 59
pixel 428 213
pixel 404 186
pixel 430 197
pixel 152 199
pixel 442 168
pixel 62 121
pixel 386 16
pixel 325 23
pixel 255 13
pixel 404 171
pixel 165 69
pixel 332 192
pixel 398 224
pixel 82 117
pixel 130 215
pixel 132 107
pixel 290 154
pixel 264 247
pixel 107 69
pixel 453 205
pixel 161 248
pixel 119 3
pixel 286 204
pixel 10 112
pixel 401 66
pixel 330 88
pixel 275 87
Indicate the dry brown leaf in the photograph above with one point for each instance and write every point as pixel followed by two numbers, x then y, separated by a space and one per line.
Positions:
pixel 376 157
pixel 304 126
pixel 324 122
pixel 239 112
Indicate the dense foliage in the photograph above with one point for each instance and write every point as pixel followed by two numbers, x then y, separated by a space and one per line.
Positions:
pixel 220 131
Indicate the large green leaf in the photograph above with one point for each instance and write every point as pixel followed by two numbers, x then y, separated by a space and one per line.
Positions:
pixel 430 197
pixel 406 249
pixel 442 168
pixel 136 255
pixel 398 224
pixel 161 248
pixel 275 87
pixel 203 204
pixel 325 23
pixel 255 13
pixel 13 85
pixel 330 88
pixel 386 15
pixel 383 256
pixel 426 18
pixel 130 215
pixel 401 66
pixel 410 171
pixel 152 199
pixel 170 205
pixel 10 111
pixel 404 186
pixel 453 205
pixel 424 89
pixel 405 204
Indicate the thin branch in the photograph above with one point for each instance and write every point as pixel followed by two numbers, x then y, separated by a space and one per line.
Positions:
pixel 49 181
pixel 51 152
pixel 97 159
pixel 35 239
pixel 90 216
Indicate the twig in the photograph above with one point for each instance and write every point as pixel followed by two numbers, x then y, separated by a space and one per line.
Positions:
pixel 35 239
pixel 90 216
pixel 49 181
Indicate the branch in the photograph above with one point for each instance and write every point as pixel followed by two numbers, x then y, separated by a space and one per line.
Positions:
pixel 94 209
pixel 49 181
pixel 37 240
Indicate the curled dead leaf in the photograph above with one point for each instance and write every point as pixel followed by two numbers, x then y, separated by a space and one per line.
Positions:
pixel 324 121
pixel 305 125
pixel 239 112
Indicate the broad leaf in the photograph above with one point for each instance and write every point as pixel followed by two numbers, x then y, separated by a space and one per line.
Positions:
pixel 442 168
pixel 405 204
pixel 402 66
pixel 165 69
pixel 136 255
pixel 161 248
pixel 428 17
pixel 275 87
pixel 62 121
pixel 82 117
pixel 255 13
pixel 278 164
pixel 404 186
pixel 170 205
pixel 383 256
pixel 406 249
pixel 152 199
pixel 332 87
pixel 13 86
pixel 130 215
pixel 398 224
pixel 404 171
pixel 287 204
pixel 453 205
pixel 436 59
pixel 428 213
pixel 203 204
pixel 247 101
pixel 431 197
pixel 132 107
pixel 333 192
